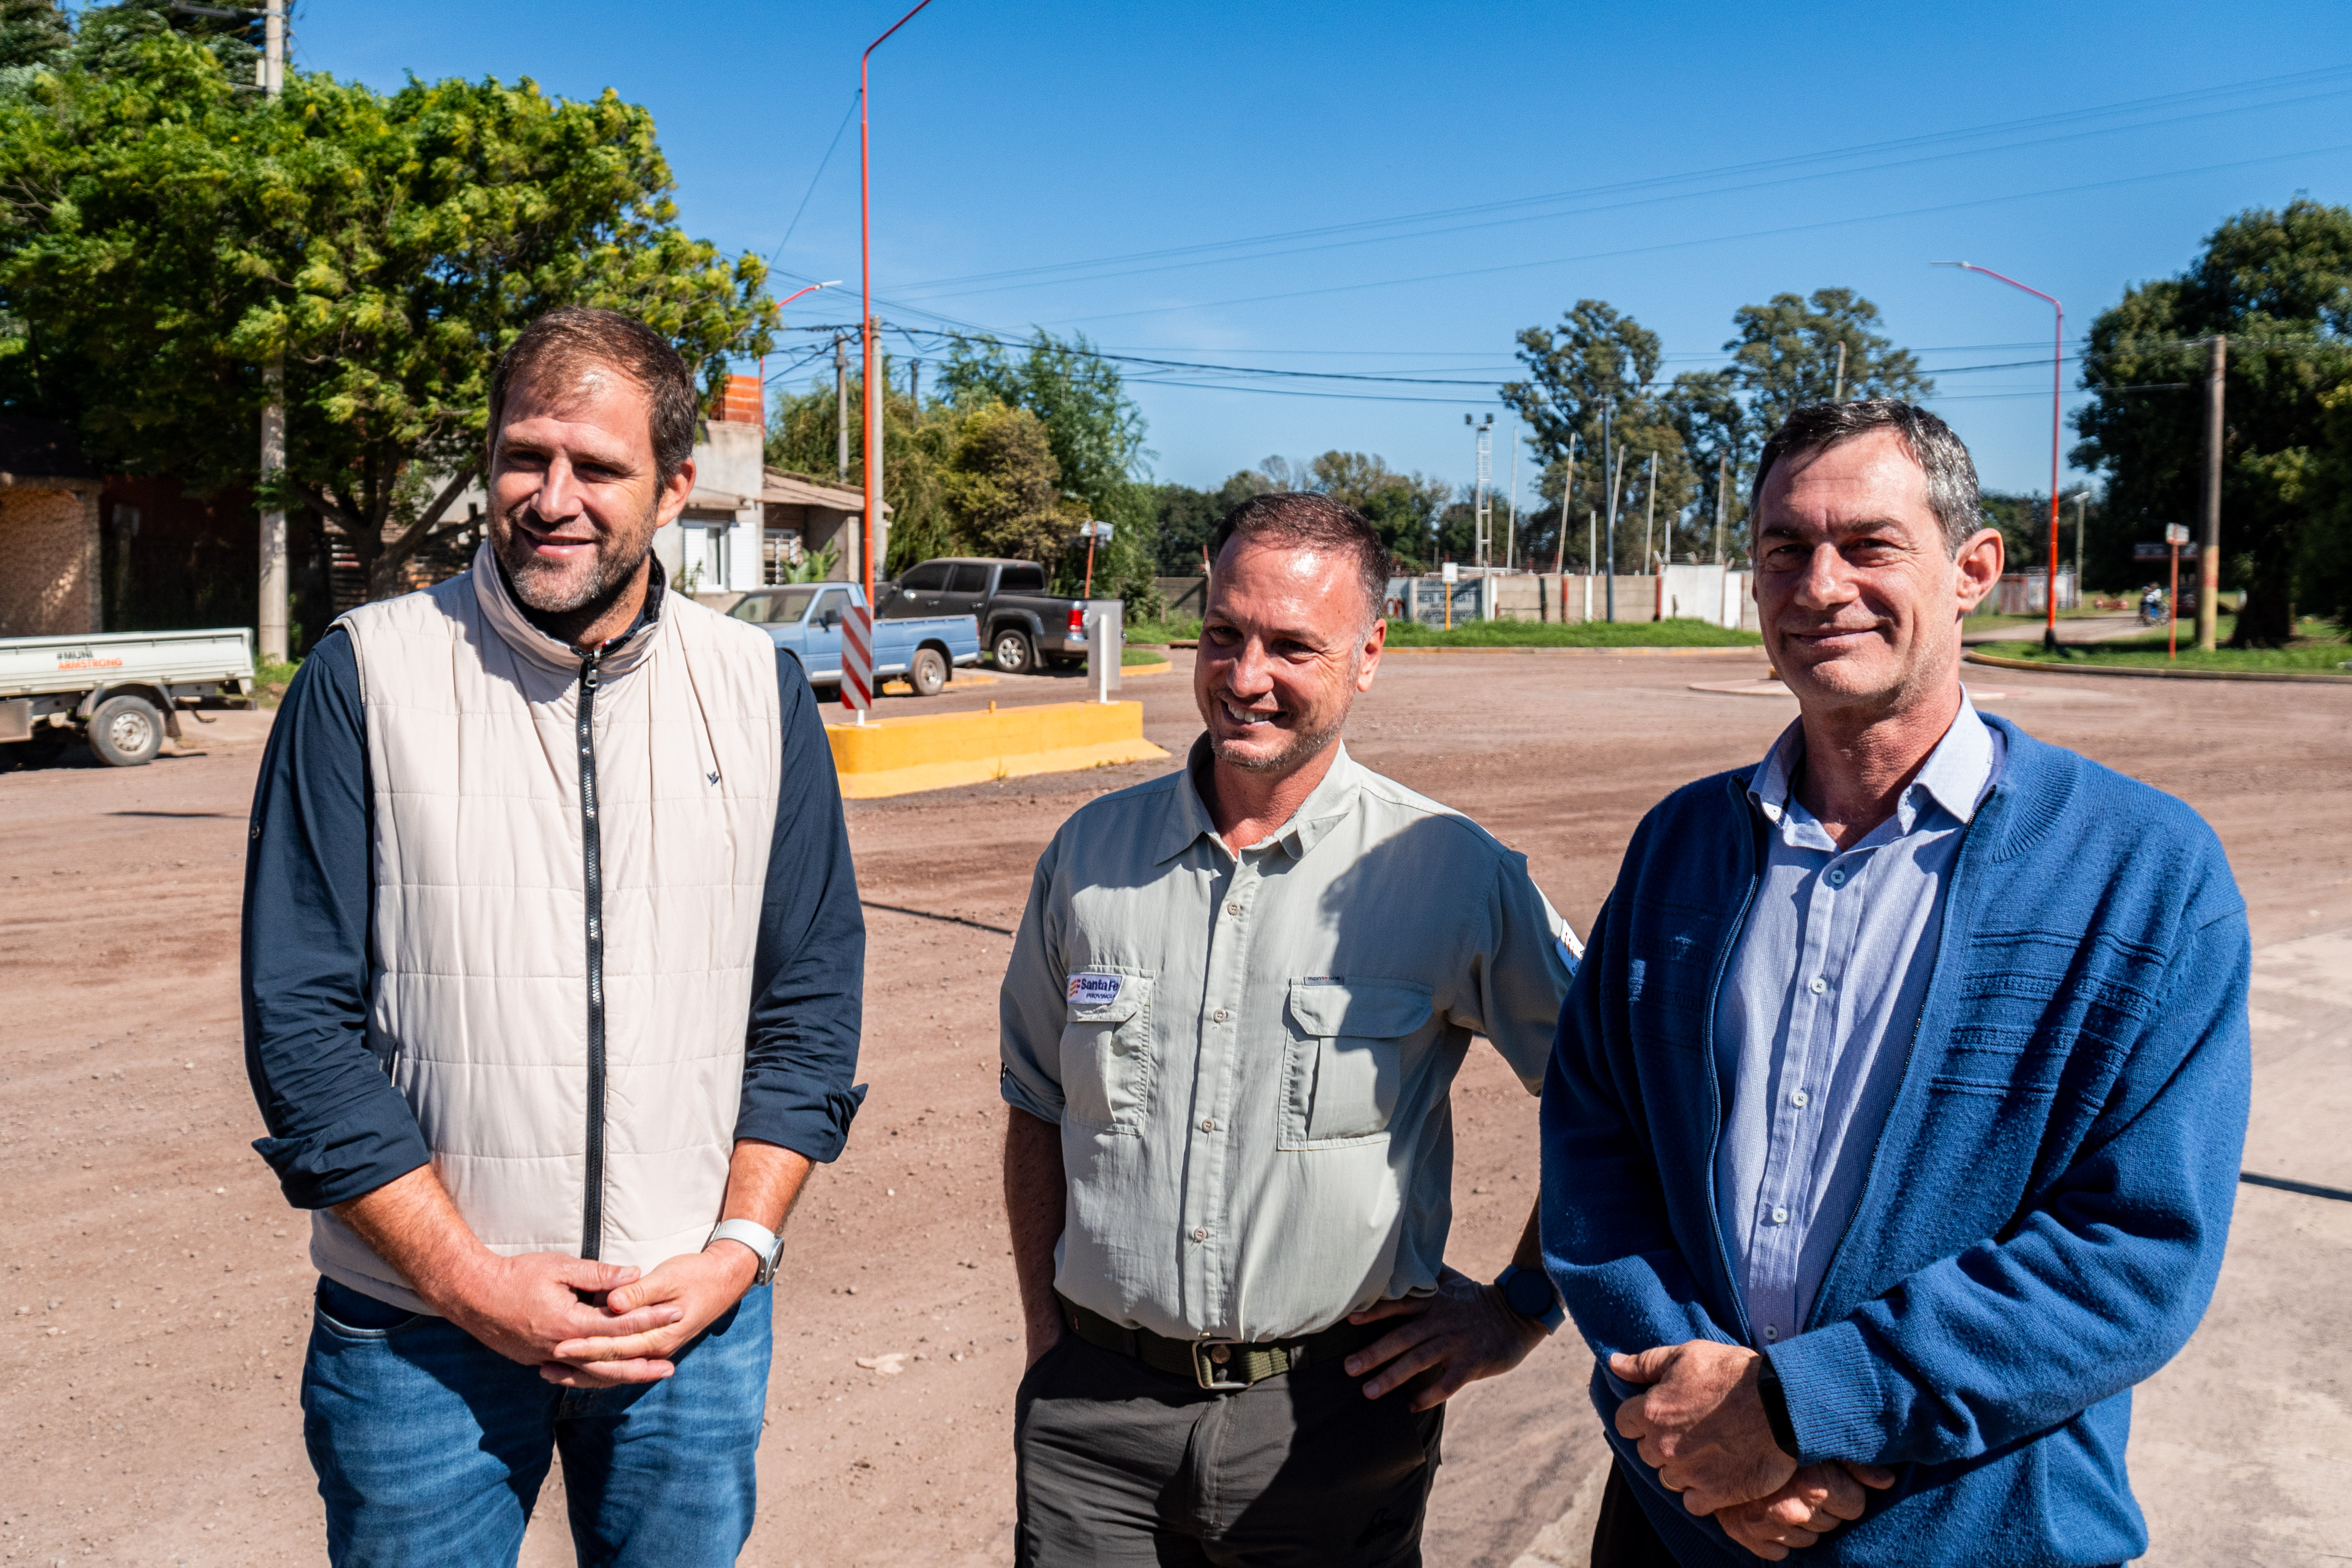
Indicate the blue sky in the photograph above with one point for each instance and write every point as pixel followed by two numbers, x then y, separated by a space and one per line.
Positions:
pixel 1222 184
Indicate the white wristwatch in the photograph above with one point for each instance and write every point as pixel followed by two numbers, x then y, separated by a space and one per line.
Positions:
pixel 765 1244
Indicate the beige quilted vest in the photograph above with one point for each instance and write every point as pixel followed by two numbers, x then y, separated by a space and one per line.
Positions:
pixel 482 1009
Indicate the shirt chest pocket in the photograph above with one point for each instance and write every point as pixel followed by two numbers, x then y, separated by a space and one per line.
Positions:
pixel 1343 1063
pixel 1107 1058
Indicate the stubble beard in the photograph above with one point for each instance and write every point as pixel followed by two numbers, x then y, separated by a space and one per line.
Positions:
pixel 573 596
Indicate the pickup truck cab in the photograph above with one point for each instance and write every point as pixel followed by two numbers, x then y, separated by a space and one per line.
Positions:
pixel 122 691
pixel 805 620
pixel 1021 625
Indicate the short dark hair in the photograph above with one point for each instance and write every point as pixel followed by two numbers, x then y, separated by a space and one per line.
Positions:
pixel 1941 456
pixel 566 340
pixel 1302 518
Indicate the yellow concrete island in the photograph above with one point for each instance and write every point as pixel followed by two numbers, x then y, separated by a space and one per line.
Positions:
pixel 940 751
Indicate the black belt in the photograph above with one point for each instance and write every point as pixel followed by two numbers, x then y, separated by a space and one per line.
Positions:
pixel 1219 1365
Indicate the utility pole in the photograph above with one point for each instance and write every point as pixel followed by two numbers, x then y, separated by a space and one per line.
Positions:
pixel 915 382
pixel 1481 511
pixel 841 407
pixel 1511 517
pixel 1722 499
pixel 1650 521
pixel 2208 558
pixel 1609 480
pixel 275 584
pixel 2082 504
pixel 1567 497
pixel 1839 394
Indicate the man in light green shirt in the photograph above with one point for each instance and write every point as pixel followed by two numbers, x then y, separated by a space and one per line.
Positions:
pixel 1230 1025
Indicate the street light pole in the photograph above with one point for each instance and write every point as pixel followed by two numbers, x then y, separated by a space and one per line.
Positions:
pixel 270 622
pixel 2057 389
pixel 871 391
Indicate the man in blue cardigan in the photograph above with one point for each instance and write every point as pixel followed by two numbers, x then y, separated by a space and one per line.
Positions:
pixel 1895 1119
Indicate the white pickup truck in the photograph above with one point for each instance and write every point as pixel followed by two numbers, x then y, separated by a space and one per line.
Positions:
pixel 122 692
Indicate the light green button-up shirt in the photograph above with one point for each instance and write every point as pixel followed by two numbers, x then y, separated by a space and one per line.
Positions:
pixel 1249 1056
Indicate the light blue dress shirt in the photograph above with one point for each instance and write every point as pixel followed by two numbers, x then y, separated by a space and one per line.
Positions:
pixel 1814 1023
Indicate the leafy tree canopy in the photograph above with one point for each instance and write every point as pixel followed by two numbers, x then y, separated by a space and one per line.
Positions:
pixel 2278 285
pixel 165 236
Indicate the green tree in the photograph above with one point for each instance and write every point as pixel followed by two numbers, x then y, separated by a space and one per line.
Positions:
pixel 2279 284
pixel 1004 485
pixel 164 235
pixel 108 36
pixel 1401 508
pixel 1096 432
pixel 34 34
pixel 915 439
pixel 1784 354
pixel 1601 364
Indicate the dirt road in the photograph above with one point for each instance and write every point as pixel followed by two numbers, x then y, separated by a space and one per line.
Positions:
pixel 156 1286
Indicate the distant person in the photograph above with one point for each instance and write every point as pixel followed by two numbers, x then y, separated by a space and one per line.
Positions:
pixel 1231 1023
pixel 552 956
pixel 1913 1062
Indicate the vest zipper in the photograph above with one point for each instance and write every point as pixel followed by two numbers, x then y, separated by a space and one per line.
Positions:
pixel 591 1219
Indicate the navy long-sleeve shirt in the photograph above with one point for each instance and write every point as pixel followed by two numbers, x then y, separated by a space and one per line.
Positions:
pixel 338 1126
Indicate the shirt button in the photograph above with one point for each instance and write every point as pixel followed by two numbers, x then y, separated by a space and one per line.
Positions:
pixel 1837 878
pixel 1816 985
pixel 1218 1016
pixel 1799 1098
pixel 1772 1334
pixel 1233 908
pixel 1208 1124
pixel 1780 1214
pixel 1199 1235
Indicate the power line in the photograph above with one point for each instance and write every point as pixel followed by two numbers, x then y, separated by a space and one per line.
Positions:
pixel 1714 239
pixel 821 164
pixel 1203 253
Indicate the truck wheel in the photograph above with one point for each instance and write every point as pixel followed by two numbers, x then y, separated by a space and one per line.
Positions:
pixel 1013 654
pixel 929 672
pixel 126 731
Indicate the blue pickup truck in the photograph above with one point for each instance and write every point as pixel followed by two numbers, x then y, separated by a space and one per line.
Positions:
pixel 805 620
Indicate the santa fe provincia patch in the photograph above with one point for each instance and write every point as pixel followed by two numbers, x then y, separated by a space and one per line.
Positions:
pixel 1093 990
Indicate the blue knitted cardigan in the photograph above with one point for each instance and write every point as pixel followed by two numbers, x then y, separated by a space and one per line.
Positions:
pixel 2047 1201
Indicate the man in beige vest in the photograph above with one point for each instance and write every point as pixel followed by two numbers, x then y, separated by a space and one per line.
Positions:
pixel 552 956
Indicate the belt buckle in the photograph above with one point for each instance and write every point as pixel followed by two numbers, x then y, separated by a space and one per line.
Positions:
pixel 1208 1367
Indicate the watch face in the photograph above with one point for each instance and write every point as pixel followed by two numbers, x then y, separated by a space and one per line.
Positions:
pixel 1529 1293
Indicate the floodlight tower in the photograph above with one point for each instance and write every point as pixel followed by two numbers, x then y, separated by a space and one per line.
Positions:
pixel 1482 501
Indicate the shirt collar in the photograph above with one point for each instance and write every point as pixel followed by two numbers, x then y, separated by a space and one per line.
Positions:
pixel 1958 776
pixel 1323 809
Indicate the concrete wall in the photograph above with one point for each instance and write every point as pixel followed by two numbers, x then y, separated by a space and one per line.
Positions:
pixel 1698 593
pixel 49 584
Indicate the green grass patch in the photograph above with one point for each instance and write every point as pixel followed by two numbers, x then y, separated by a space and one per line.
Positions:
pixel 1127 656
pixel 271 679
pixel 1677 633
pixel 2324 650
pixel 1162 633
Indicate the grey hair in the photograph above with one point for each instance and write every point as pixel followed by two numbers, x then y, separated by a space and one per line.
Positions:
pixel 1951 475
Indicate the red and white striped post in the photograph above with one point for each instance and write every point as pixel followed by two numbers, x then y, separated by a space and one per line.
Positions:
pixel 857 660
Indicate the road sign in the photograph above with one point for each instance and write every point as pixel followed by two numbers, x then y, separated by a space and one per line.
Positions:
pixel 1093 528
pixel 857 660
pixel 2144 551
pixel 2176 534
pixel 1449 573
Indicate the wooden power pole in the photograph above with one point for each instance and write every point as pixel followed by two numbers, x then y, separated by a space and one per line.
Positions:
pixel 2209 554
pixel 841 407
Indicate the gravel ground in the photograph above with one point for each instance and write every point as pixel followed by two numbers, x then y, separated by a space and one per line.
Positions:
pixel 156 1286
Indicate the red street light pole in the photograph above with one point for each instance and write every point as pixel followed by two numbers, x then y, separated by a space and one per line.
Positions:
pixel 787 299
pixel 2057 388
pixel 872 396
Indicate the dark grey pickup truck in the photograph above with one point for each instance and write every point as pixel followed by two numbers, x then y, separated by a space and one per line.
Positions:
pixel 1021 625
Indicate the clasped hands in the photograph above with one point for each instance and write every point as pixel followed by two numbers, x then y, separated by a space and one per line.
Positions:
pixel 1700 1422
pixel 536 1310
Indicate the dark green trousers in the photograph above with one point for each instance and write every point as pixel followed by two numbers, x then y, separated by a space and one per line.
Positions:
pixel 1122 1466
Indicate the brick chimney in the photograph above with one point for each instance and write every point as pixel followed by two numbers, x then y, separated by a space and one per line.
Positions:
pixel 742 402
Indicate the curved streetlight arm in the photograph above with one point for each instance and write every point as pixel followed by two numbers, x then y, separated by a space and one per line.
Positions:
pixel 807 288
pixel 2057 397
pixel 870 401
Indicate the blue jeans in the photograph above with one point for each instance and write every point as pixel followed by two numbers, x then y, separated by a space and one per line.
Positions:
pixel 430 1446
